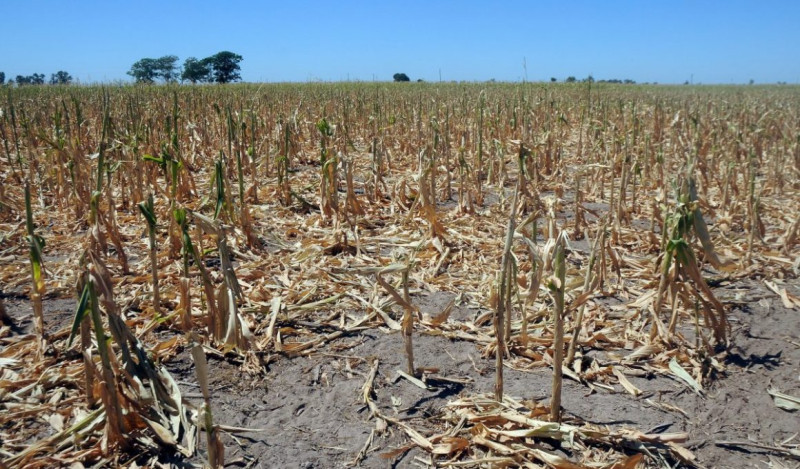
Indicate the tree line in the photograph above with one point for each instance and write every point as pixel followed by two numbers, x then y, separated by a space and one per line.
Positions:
pixel 59 78
pixel 590 79
pixel 222 67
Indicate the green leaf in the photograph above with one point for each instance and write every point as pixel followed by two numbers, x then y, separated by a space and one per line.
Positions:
pixel 180 217
pixel 36 262
pixel 674 244
pixel 160 161
pixel 28 210
pixel 80 312
pixel 684 254
pixel 220 180
pixel 324 127
pixel 148 211
pixel 175 168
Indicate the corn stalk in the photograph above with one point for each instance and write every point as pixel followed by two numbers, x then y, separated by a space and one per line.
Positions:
pixel 229 327
pixel 190 253
pixel 136 393
pixel 36 244
pixel 557 286
pixel 504 282
pixel 679 263
pixel 409 310
pixel 216 450
pixel 588 283
pixel 148 211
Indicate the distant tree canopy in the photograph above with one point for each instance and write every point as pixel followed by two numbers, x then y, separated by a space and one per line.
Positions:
pixel 35 79
pixel 590 79
pixel 149 70
pixel 222 67
pixel 196 71
pixel 225 66
pixel 401 77
pixel 60 78
pixel 626 81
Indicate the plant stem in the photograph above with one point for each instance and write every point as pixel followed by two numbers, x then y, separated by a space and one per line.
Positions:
pixel 558 323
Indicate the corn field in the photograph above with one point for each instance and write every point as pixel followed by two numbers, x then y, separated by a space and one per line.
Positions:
pixel 589 232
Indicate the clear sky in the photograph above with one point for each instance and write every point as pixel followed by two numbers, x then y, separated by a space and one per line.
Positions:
pixel 724 41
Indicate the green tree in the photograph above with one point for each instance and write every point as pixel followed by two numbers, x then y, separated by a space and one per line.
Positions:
pixel 35 79
pixel 553 79
pixel 570 79
pixel 2 77
pixel 224 66
pixel 148 70
pixel 60 78
pixel 166 67
pixel 196 71
pixel 144 71
pixel 400 77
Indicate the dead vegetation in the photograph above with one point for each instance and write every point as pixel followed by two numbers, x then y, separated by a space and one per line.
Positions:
pixel 267 222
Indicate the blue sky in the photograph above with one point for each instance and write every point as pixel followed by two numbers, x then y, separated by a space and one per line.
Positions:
pixel 666 41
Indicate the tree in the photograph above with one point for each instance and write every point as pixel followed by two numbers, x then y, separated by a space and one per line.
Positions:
pixel 224 66
pixel 195 70
pixel 60 78
pixel 400 77
pixel 570 79
pixel 144 71
pixel 147 70
pixel 35 79
pixel 166 67
pixel 553 79
pixel 2 77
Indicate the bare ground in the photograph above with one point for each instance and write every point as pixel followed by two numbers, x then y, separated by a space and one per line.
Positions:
pixel 307 413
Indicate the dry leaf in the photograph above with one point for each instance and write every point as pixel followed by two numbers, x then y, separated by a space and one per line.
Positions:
pixel 784 401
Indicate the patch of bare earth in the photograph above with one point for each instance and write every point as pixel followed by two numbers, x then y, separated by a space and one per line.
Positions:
pixel 307 412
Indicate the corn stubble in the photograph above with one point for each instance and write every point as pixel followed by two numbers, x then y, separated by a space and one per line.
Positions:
pixel 338 205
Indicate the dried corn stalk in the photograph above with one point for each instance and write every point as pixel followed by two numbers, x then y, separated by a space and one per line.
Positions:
pixel 229 326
